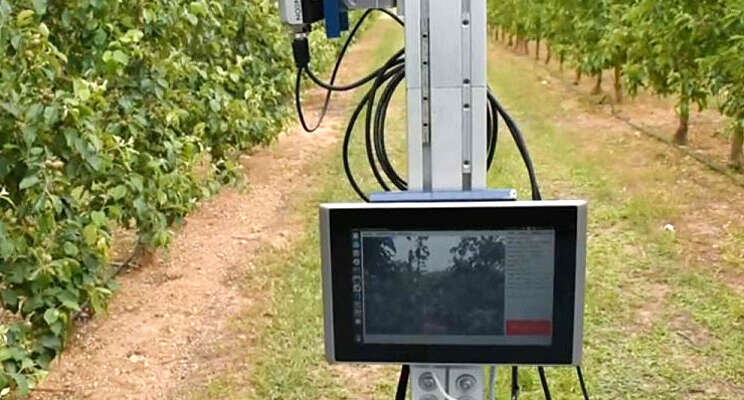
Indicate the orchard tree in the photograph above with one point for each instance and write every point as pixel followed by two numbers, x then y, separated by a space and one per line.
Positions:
pixel 559 30
pixel 671 37
pixel 590 23
pixel 535 21
pixel 520 23
pixel 725 68
pixel 616 40
pixel 501 14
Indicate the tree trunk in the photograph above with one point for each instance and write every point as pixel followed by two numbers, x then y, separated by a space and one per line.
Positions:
pixel 537 49
pixel 680 137
pixel 579 72
pixel 549 56
pixel 526 47
pixel 511 40
pixel 737 144
pixel 598 86
pixel 618 83
pixel 562 60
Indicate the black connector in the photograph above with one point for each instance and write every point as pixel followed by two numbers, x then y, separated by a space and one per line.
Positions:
pixel 301 52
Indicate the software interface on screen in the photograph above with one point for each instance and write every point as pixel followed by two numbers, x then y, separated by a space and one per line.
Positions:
pixel 454 287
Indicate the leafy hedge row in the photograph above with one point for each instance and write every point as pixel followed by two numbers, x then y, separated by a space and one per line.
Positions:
pixel 693 50
pixel 117 113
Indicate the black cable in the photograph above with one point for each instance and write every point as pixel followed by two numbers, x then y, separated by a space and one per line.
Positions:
pixel 351 86
pixel 298 106
pixel 522 146
pixel 405 372
pixel 334 74
pixel 515 383
pixel 375 133
pixel 379 132
pixel 492 127
pixel 347 140
pixel 392 15
pixel 391 76
pixel 581 382
pixel 369 132
pixel 397 67
pixel 330 86
pixel 544 383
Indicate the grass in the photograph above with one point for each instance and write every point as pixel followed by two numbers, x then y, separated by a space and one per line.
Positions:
pixel 692 343
pixel 657 325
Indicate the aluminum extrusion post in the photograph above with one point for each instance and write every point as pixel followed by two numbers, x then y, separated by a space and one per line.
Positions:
pixel 447 102
pixel 447 94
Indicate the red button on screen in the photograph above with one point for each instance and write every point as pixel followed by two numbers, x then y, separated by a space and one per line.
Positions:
pixel 529 328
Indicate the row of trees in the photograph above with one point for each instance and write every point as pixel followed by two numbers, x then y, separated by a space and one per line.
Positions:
pixel 117 113
pixel 690 49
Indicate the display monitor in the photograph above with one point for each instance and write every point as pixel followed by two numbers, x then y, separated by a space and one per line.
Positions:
pixel 487 287
pixel 480 283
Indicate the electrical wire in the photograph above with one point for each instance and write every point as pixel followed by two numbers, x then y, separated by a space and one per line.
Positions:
pixel 350 129
pixel 544 383
pixel 522 146
pixel 387 79
pixel 330 86
pixel 334 75
pixel 440 388
pixel 301 113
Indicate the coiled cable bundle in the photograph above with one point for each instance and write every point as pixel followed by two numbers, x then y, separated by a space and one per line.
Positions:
pixel 385 81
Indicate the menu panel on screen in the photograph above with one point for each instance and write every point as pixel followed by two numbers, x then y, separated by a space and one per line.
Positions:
pixel 479 287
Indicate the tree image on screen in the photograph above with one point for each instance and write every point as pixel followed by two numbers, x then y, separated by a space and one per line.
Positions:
pixel 441 284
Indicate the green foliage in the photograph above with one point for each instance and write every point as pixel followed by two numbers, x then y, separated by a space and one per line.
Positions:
pixel 687 48
pixel 669 39
pixel 725 66
pixel 117 113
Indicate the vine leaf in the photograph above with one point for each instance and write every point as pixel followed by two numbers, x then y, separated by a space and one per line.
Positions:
pixel 28 182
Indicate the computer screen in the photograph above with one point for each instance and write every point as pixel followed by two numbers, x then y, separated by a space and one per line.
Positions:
pixel 479 287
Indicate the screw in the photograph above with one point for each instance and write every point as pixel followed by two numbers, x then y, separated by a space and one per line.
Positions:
pixel 465 382
pixel 427 382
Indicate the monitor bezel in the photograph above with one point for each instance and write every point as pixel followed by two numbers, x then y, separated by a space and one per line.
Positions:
pixel 567 218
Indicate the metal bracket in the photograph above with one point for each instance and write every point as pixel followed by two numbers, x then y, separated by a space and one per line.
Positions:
pixel 422 197
pixel 446 382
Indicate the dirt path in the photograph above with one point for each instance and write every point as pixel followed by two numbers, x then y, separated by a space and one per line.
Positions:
pixel 175 305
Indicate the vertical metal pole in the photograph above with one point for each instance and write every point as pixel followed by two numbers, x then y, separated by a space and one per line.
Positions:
pixel 446 98
pixel 447 88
